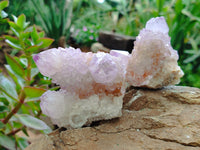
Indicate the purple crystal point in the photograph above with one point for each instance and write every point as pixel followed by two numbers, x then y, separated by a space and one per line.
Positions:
pixel 36 58
pixel 157 24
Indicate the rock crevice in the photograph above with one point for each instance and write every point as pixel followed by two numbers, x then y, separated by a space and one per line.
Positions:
pixel 163 119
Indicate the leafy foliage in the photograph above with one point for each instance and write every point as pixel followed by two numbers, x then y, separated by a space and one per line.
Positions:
pixel 3 4
pixel 86 35
pixel 186 39
pixel 19 93
pixel 3 15
pixel 54 17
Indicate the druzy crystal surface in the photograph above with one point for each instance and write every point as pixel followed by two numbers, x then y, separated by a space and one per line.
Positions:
pixel 153 62
pixel 92 85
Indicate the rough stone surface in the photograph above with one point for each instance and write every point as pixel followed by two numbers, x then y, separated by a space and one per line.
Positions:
pixel 165 119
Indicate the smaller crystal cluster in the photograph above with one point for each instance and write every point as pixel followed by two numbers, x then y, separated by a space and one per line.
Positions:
pixel 92 85
pixel 153 62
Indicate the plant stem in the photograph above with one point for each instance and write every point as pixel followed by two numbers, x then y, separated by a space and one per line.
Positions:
pixel 16 108
pixel 39 113
pixel 14 131
pixel 29 69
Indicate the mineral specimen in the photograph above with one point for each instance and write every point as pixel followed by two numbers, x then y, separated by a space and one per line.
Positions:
pixel 92 86
pixel 153 62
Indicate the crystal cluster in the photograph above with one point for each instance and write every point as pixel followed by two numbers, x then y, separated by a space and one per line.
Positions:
pixel 92 85
pixel 153 62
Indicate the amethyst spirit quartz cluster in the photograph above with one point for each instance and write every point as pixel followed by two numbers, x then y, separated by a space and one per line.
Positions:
pixel 92 85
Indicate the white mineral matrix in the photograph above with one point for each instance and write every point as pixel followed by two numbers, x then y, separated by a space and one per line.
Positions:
pixel 92 85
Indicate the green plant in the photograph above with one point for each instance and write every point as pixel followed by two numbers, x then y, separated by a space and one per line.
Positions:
pixel 185 39
pixel 123 16
pixel 86 35
pixel 88 18
pixel 19 91
pixel 54 17
pixel 182 24
pixel 18 7
pixel 3 15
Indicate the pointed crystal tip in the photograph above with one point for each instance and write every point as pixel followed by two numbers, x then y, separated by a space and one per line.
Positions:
pixel 157 24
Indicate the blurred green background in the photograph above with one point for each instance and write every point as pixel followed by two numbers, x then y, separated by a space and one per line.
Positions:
pixel 30 26
pixel 83 19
